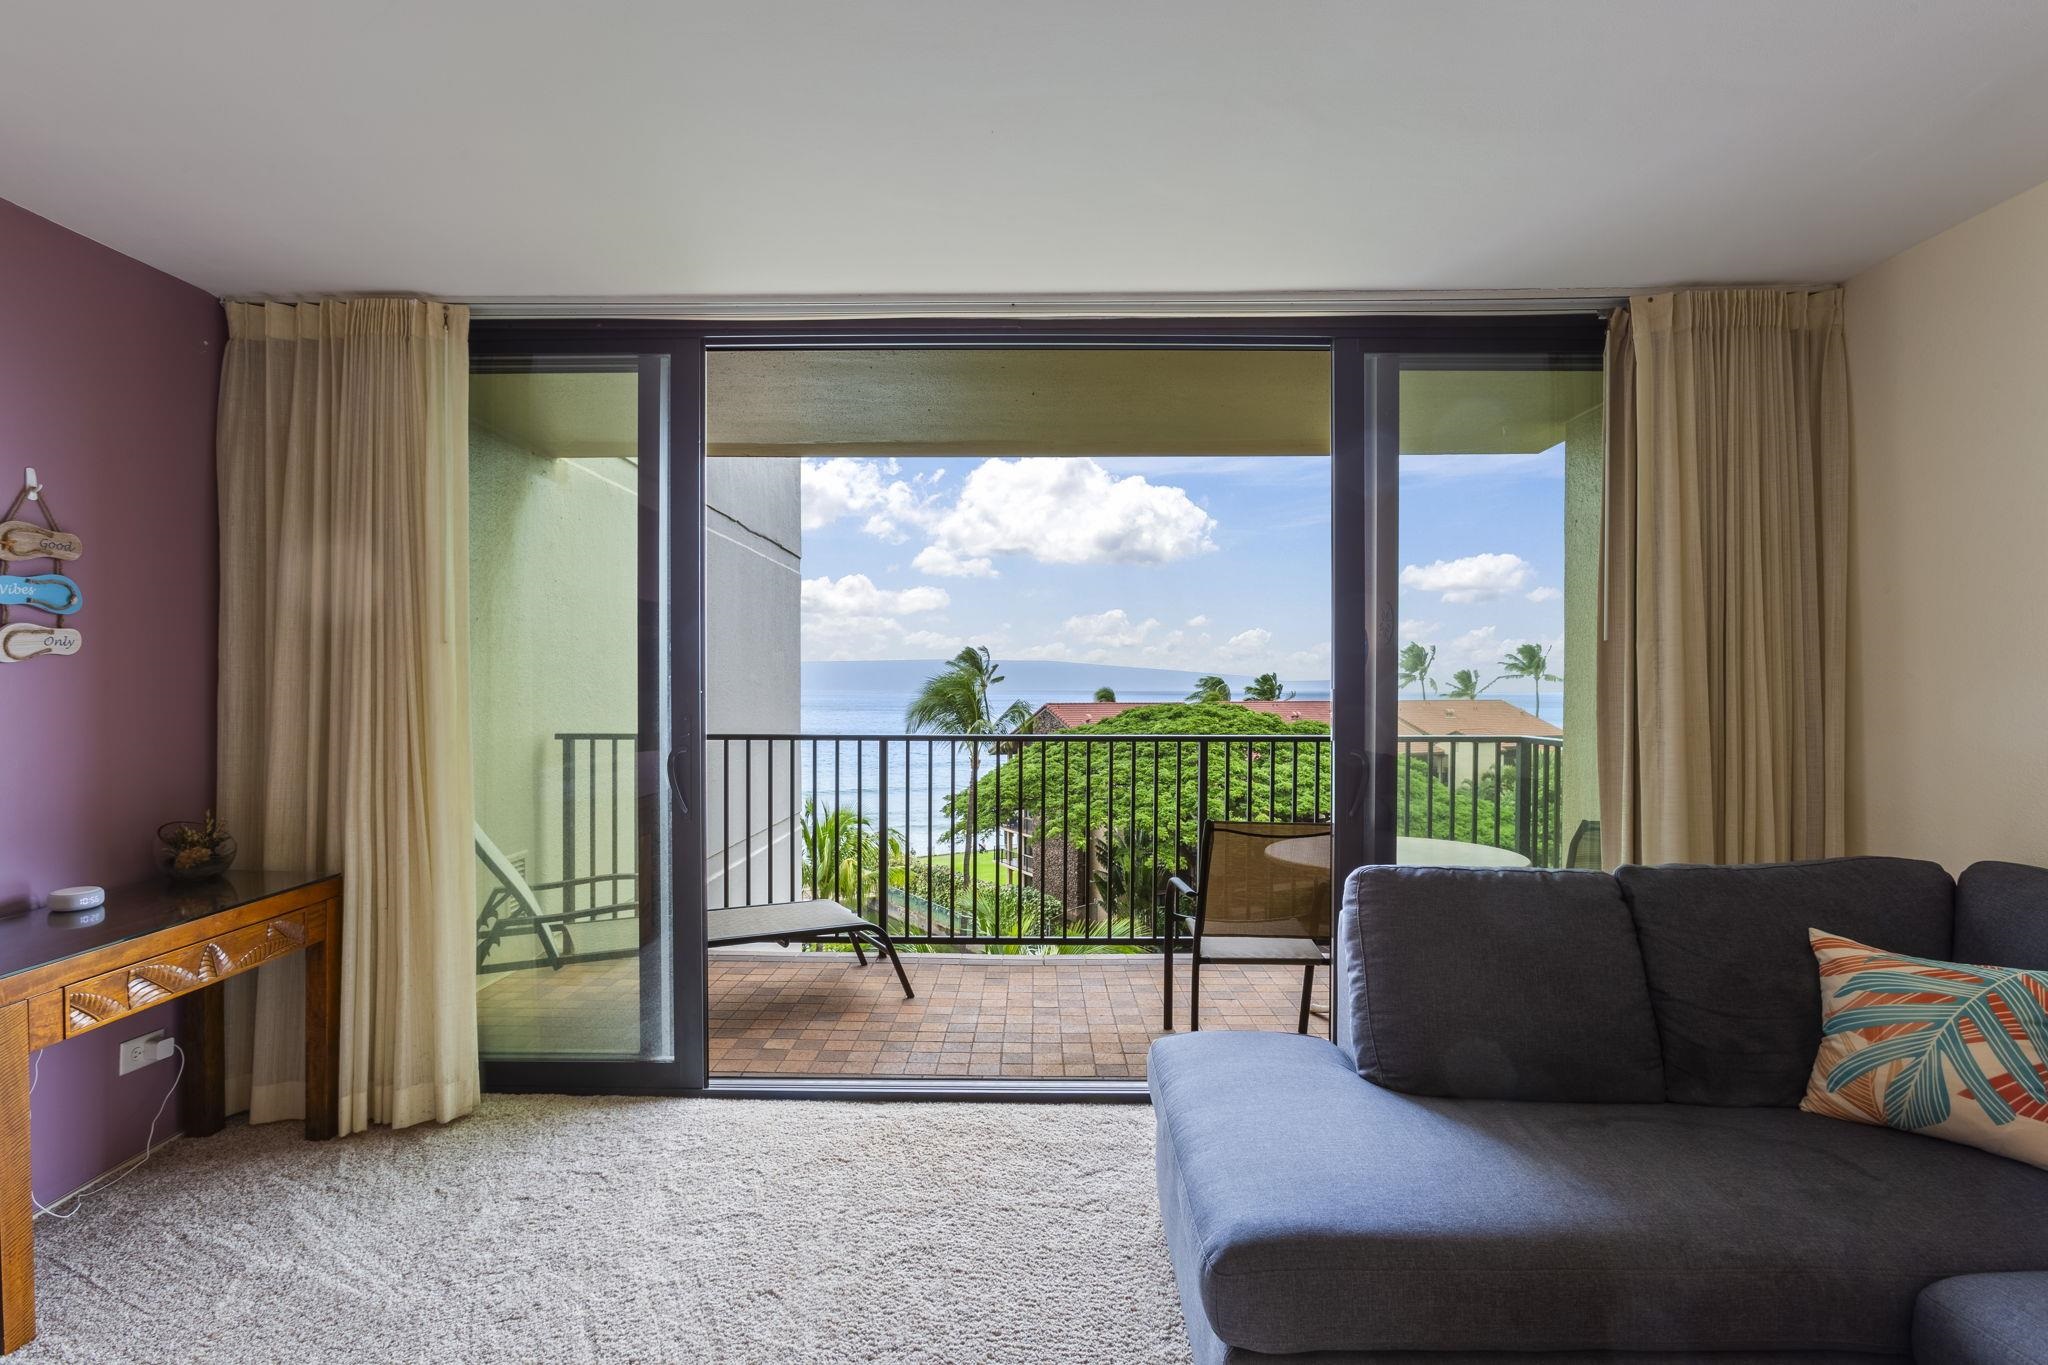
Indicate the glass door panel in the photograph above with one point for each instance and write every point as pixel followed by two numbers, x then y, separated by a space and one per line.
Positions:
pixel 1499 549
pixel 569 724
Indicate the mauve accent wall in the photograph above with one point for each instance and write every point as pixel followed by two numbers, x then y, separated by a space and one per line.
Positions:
pixel 109 372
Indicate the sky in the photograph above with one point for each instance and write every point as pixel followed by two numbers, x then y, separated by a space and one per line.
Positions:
pixel 1203 563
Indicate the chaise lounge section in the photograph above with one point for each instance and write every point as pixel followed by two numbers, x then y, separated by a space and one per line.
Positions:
pixel 1560 1122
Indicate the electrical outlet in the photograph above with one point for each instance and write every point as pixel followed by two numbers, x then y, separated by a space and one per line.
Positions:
pixel 138 1053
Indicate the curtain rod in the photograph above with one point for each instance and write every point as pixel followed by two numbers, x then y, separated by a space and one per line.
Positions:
pixel 771 308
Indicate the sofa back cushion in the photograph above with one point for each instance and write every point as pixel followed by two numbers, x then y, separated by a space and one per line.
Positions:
pixel 1731 973
pixel 2002 915
pixel 1470 983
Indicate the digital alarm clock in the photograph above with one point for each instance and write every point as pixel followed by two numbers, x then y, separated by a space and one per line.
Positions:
pixel 71 898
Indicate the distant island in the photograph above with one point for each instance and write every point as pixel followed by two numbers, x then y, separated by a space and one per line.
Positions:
pixel 1027 677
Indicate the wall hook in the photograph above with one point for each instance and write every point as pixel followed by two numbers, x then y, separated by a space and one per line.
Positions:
pixel 35 489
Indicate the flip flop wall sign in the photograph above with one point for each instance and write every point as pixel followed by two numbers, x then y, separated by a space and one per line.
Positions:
pixel 26 540
pixel 54 593
pixel 21 642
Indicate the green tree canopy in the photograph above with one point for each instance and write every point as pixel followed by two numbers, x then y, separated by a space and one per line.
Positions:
pixel 1105 694
pixel 1209 688
pixel 1102 780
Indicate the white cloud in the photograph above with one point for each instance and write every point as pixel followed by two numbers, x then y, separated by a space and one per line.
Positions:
pixel 1055 510
pixel 936 643
pixel 1415 628
pixel 1479 648
pixel 832 489
pixel 1197 622
pixel 1246 644
pixel 835 488
pixel 1315 660
pixel 1070 511
pixel 1542 594
pixel 940 562
pixel 1474 578
pixel 1113 628
pixel 857 595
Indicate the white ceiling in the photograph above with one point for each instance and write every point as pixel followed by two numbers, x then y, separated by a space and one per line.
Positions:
pixel 487 149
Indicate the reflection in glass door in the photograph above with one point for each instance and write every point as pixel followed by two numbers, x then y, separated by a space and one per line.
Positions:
pixel 568 650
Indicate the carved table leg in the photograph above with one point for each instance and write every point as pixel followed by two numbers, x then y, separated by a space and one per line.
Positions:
pixel 17 1222
pixel 323 1019
pixel 205 1101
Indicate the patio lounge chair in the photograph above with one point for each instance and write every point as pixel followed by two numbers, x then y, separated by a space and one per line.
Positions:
pixel 801 922
pixel 1264 900
pixel 512 906
pixel 516 906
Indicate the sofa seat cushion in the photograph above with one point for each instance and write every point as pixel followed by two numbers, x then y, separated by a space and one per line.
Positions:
pixel 1984 1320
pixel 1731 974
pixel 1307 1209
pixel 1486 983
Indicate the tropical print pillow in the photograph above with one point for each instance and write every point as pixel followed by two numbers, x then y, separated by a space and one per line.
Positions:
pixel 1940 1048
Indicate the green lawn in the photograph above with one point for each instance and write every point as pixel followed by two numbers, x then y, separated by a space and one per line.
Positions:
pixel 981 865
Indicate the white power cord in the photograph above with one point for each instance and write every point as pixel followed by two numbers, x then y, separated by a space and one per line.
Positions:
pixel 119 1173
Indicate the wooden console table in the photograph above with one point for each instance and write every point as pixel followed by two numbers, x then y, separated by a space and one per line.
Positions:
pixel 66 974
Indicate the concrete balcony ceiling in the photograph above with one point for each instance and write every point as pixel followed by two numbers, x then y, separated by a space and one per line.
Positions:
pixel 975 403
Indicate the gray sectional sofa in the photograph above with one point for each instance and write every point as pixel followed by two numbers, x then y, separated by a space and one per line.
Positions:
pixel 1559 1123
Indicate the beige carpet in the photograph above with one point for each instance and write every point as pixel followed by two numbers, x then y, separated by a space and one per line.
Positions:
pixel 553 1229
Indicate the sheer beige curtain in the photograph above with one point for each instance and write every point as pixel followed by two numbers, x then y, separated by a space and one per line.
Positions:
pixel 344 686
pixel 1724 573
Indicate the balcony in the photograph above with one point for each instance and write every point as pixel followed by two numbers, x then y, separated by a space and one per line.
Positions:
pixel 1025 879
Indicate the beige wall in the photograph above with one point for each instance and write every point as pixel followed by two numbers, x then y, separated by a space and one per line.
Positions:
pixel 1948 684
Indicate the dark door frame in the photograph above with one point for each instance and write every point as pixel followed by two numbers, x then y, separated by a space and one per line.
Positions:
pixel 1367 356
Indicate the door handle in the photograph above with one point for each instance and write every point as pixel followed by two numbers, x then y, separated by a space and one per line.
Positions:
pixel 1357 784
pixel 675 782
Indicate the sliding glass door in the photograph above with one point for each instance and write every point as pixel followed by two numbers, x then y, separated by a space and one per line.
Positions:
pixel 609 550
pixel 573 553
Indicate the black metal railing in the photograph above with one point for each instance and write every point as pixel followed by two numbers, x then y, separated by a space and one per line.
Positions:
pixel 600 857
pixel 1062 839
pixel 918 828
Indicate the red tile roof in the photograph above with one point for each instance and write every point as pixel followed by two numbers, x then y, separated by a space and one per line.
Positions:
pixel 1482 717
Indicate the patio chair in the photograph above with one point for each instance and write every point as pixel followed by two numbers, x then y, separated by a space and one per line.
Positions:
pixel 511 907
pixel 801 922
pixel 515 905
pixel 1264 899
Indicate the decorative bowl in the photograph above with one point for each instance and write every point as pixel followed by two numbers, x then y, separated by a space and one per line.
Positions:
pixel 190 851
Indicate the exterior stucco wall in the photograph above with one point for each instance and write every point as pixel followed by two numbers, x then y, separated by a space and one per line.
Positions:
pixel 753 563
pixel 1584 460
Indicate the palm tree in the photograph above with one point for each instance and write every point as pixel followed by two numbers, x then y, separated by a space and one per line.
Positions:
pixel 1416 661
pixel 1465 685
pixel 1266 687
pixel 838 853
pixel 1210 688
pixel 1105 694
pixel 955 701
pixel 1531 662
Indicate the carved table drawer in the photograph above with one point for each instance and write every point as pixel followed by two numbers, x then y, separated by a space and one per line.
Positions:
pixel 108 997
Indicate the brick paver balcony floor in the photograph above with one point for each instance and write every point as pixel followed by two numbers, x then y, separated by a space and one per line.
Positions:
pixel 821 1015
